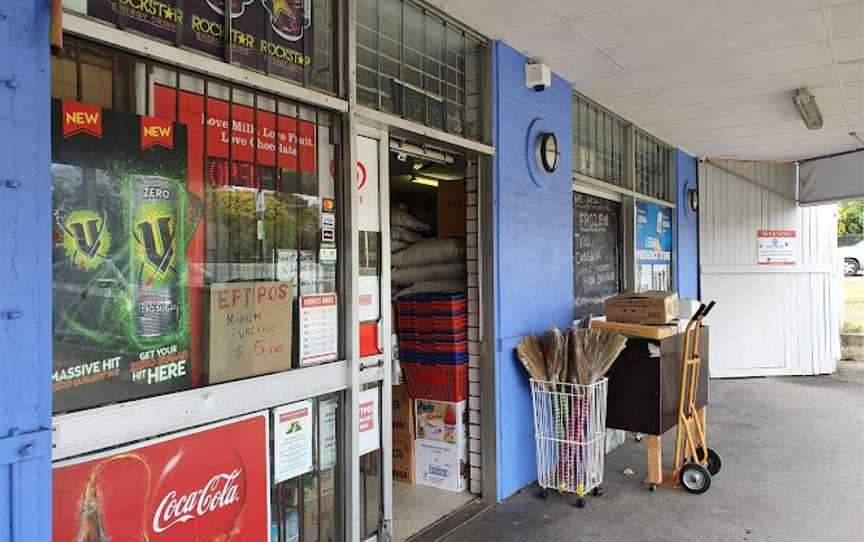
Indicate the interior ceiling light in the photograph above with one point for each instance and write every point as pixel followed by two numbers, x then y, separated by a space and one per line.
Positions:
pixel 427 153
pixel 805 103
pixel 427 181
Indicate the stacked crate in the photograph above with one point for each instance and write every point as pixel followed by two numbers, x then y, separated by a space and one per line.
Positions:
pixel 433 350
pixel 433 345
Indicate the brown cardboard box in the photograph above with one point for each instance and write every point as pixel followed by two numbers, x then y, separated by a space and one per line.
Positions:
pixel 653 307
pixel 403 459
pixel 318 505
pixel 403 413
pixel 237 307
pixel 451 209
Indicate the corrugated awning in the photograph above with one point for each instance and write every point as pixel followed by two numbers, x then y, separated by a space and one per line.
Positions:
pixel 831 179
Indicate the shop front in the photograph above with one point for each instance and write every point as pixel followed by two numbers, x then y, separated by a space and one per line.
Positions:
pixel 270 344
pixel 603 222
pixel 226 317
pixel 198 391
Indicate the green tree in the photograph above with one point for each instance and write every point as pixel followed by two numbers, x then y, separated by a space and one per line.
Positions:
pixel 851 218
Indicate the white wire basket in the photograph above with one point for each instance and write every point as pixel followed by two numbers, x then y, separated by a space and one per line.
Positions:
pixel 570 432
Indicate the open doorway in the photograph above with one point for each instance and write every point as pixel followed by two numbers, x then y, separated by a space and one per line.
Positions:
pixel 429 287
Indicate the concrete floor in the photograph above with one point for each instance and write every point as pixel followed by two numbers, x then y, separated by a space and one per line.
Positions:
pixel 793 469
pixel 417 507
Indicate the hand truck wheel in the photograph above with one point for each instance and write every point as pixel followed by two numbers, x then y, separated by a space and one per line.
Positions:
pixel 652 487
pixel 694 478
pixel 597 491
pixel 714 463
pixel 543 495
pixel 580 502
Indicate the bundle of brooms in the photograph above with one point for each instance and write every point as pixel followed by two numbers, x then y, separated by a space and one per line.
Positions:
pixel 560 363
pixel 579 356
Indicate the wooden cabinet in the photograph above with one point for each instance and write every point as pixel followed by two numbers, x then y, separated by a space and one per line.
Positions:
pixel 643 390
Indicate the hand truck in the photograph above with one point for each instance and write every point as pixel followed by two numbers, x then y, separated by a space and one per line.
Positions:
pixel 695 462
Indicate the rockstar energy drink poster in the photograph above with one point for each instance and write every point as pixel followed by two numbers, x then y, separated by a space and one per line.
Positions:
pixel 274 36
pixel 122 218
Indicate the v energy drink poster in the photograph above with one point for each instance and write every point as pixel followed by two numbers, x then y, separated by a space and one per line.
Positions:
pixel 122 219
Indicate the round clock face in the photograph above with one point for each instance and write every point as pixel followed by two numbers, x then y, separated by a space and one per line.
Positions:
pixel 547 152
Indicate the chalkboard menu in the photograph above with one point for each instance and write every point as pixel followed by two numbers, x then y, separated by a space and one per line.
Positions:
pixel 596 252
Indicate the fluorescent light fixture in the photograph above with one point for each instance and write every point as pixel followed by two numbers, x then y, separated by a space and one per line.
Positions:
pixel 805 103
pixel 427 181
pixel 426 152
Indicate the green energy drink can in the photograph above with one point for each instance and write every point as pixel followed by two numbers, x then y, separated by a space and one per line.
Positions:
pixel 155 290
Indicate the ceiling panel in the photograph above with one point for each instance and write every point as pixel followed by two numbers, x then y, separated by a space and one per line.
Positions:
pixel 786 81
pixel 851 72
pixel 670 18
pixel 849 49
pixel 551 41
pixel 498 21
pixel 617 85
pixel 751 105
pixel 740 67
pixel 583 66
pixel 732 120
pixel 626 105
pixel 573 9
pixel 712 76
pixel 798 29
pixel 846 20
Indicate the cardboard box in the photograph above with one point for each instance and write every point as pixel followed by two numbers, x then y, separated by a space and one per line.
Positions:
pixel 440 465
pixel 318 509
pixel 652 307
pixel 451 209
pixel 403 459
pixel 235 307
pixel 403 413
pixel 441 421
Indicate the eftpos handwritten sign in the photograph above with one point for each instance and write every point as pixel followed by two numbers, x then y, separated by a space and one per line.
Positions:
pixel 250 329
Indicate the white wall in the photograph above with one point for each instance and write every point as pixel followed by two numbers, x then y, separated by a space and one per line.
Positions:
pixel 769 320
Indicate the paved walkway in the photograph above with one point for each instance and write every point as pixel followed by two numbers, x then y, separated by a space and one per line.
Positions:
pixel 793 469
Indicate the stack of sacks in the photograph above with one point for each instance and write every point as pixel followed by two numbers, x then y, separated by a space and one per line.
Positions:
pixel 405 229
pixel 434 265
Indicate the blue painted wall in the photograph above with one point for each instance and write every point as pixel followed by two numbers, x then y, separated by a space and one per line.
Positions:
pixel 533 238
pixel 687 253
pixel 25 273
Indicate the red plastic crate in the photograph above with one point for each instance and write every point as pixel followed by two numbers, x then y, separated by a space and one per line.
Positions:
pixel 436 382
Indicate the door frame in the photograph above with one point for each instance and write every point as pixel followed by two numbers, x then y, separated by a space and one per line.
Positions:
pixel 377 368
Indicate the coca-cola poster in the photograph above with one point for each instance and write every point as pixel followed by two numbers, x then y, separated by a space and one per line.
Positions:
pixel 205 485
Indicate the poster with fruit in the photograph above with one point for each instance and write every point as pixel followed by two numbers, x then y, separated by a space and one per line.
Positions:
pixel 206 485
pixel 122 216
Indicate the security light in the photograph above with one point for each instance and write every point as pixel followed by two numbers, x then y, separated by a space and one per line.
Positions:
pixel 547 152
pixel 805 103
pixel 693 199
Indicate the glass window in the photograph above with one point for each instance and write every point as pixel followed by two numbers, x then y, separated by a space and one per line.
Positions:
pixel 653 167
pixel 599 142
pixel 195 231
pixel 304 507
pixel 419 66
